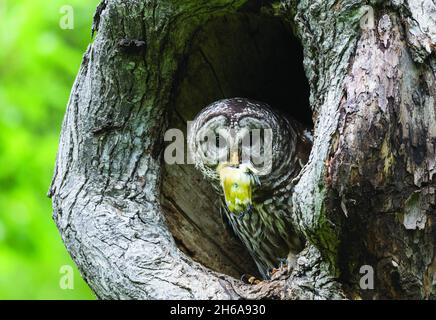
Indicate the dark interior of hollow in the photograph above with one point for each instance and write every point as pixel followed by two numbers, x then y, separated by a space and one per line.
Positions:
pixel 241 55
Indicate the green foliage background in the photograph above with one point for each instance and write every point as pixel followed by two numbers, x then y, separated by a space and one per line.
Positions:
pixel 38 64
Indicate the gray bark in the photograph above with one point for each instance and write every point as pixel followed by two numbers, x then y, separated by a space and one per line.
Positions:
pixel 366 196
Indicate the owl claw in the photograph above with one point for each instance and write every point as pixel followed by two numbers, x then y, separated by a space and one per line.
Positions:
pixel 280 270
pixel 250 279
pixel 282 267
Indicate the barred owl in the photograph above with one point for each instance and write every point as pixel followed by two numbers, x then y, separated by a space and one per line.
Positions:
pixel 250 154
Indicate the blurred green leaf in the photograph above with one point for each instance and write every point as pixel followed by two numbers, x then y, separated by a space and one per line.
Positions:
pixel 38 65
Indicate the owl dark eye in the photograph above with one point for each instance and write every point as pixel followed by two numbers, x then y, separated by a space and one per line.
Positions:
pixel 220 142
pixel 256 137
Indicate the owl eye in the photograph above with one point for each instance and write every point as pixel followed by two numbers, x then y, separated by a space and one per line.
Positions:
pixel 256 137
pixel 220 141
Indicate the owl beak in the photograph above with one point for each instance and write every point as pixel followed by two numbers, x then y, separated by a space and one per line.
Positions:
pixel 234 158
pixel 237 184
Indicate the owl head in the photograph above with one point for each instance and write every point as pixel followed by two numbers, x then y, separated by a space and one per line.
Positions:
pixel 244 146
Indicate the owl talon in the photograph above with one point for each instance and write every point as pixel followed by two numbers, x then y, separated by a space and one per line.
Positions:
pixel 254 281
pixel 248 279
pixel 274 271
pixel 283 268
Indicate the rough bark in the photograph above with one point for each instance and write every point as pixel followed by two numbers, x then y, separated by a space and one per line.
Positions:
pixel 366 196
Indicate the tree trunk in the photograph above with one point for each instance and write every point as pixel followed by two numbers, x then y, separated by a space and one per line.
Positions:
pixel 140 229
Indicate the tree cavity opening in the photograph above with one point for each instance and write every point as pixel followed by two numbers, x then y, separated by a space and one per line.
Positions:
pixel 245 55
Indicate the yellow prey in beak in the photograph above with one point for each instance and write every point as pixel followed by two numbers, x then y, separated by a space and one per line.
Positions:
pixel 237 184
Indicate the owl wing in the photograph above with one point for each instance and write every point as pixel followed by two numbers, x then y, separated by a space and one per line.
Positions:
pixel 224 213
